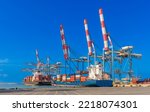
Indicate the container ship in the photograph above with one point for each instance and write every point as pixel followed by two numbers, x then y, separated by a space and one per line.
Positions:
pixel 88 79
pixel 38 79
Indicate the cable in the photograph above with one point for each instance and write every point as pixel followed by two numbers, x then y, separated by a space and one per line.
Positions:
pixel 116 43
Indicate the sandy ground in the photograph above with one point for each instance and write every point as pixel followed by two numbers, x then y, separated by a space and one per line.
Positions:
pixel 79 91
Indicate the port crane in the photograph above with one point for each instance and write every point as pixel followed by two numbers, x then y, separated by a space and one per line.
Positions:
pixel 69 60
pixel 111 55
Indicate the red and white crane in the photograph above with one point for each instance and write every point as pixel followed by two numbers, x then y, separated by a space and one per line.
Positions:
pixel 64 45
pixel 89 42
pixel 106 38
pixel 91 48
pixel 104 33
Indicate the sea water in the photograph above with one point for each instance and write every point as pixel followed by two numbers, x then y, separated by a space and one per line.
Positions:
pixel 19 85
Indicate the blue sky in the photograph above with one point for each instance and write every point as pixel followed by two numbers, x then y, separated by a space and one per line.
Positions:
pixel 30 24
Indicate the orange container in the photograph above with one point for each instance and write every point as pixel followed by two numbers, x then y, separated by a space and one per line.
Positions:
pixel 31 78
pixel 78 77
pixel 27 78
pixel 38 78
pixel 134 80
pixel 106 76
pixel 83 79
pixel 72 78
pixel 64 78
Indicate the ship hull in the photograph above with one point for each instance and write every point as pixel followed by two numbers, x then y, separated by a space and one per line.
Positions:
pixel 38 83
pixel 88 83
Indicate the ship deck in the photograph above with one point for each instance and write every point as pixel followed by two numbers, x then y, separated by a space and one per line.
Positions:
pixel 78 91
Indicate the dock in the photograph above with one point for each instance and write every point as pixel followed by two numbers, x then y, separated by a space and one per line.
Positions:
pixel 78 91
